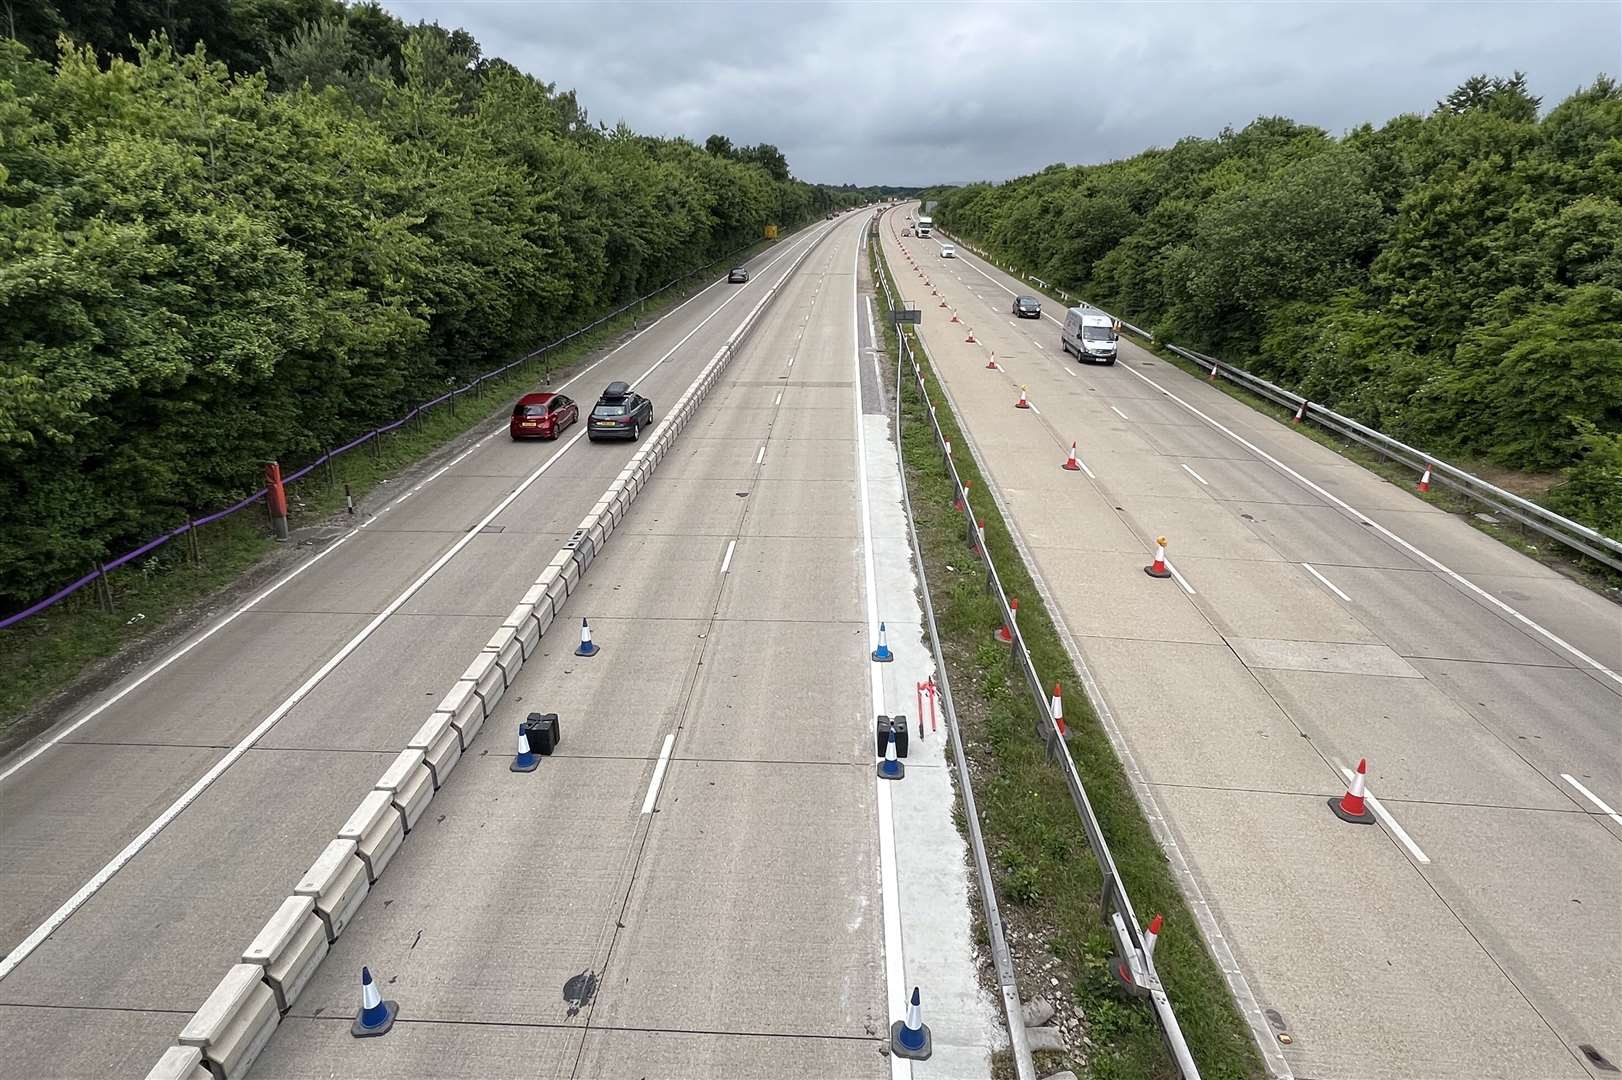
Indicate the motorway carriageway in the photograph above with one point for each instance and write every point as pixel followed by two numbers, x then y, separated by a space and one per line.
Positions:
pixel 1319 615
pixel 149 837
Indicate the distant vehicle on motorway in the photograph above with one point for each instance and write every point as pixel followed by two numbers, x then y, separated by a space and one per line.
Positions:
pixel 1090 335
pixel 1027 307
pixel 542 416
pixel 948 251
pixel 620 413
pixel 925 225
pixel 738 276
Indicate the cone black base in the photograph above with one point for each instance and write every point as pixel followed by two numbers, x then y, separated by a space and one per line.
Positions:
pixel 1152 572
pixel 1365 818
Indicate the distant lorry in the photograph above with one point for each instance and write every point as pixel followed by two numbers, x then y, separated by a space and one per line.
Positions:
pixel 1089 334
pixel 925 226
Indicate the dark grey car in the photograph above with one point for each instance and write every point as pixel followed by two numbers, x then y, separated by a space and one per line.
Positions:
pixel 1027 307
pixel 620 413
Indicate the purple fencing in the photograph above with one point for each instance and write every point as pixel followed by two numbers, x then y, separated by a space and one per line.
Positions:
pixel 103 569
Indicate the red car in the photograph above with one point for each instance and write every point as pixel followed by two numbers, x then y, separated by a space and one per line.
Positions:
pixel 542 416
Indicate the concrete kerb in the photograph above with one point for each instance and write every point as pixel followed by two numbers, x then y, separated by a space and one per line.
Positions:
pixel 239 1017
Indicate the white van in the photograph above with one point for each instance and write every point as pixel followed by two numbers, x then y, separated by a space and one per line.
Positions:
pixel 1089 334
pixel 948 251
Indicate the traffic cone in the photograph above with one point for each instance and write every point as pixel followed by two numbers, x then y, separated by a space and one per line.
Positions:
pixel 991 364
pixel 376 1016
pixel 962 496
pixel 527 760
pixel 1070 463
pixel 1300 413
pixel 980 537
pixel 970 339
pixel 909 1038
pixel 954 316
pixel 1058 711
pixel 586 647
pixel 943 302
pixel 890 768
pixel 1006 634
pixel 1425 481
pixel 1213 372
pixel 1023 402
pixel 1158 567
pixel 882 654
pixel 934 292
pixel 1349 807
pixel 1151 936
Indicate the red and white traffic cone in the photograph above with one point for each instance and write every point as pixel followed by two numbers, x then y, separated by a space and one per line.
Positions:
pixel 970 339
pixel 1058 710
pixel 1425 481
pixel 1350 807
pixel 1213 372
pixel 1070 463
pixel 1023 402
pixel 980 537
pixel 1006 634
pixel 954 316
pixel 1300 413
pixel 1158 567
pixel 991 365
pixel 962 495
pixel 1151 936
pixel 943 302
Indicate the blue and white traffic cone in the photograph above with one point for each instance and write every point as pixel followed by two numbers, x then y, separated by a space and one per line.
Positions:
pixel 586 647
pixel 376 1016
pixel 527 760
pixel 909 1038
pixel 890 768
pixel 882 654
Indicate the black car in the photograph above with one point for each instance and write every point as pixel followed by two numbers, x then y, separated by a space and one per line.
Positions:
pixel 1027 307
pixel 738 276
pixel 620 413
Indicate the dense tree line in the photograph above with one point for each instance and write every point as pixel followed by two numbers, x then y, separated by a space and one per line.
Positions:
pixel 208 265
pixel 1454 279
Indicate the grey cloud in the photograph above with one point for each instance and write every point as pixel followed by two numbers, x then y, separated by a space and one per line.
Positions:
pixel 920 93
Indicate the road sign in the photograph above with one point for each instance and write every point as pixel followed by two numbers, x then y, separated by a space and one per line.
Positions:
pixel 906 315
pixel 771 232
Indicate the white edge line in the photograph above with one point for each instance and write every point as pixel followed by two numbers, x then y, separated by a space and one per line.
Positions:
pixel 61 915
pixel 895 968
pixel 1204 914
pixel 1331 585
pixel 779 400
pixel 727 560
pixel 276 585
pixel 1084 468
pixel 1034 409
pixel 1117 412
pixel 1349 508
pixel 1591 797
pixel 1070 372
pixel 760 455
pixel 658 774
pixel 1196 475
pixel 1181 580
pixel 1390 822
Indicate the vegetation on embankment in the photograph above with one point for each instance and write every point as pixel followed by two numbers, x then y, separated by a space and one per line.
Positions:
pixel 209 265
pixel 1454 279
pixel 1048 883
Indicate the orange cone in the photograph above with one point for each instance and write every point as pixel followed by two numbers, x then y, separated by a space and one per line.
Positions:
pixel 1151 936
pixel 1070 463
pixel 1425 481
pixel 1023 402
pixel 1300 413
pixel 1058 711
pixel 991 364
pixel 1006 634
pixel 1349 807
pixel 1158 567
pixel 970 339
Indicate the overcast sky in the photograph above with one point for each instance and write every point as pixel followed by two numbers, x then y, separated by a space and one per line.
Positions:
pixel 916 93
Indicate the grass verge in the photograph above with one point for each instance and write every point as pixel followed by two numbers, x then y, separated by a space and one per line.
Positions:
pixel 47 654
pixel 1046 877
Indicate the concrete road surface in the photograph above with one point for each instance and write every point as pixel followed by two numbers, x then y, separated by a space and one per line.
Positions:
pixel 1320 615
pixel 148 837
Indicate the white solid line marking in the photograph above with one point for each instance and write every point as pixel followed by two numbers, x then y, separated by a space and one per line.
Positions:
pixel 895 968
pixel 158 824
pixel 334 546
pixel 1332 586
pixel 658 774
pixel 1591 797
pixel 1084 468
pixel 760 455
pixel 779 400
pixel 1122 415
pixel 1344 505
pixel 1034 409
pixel 727 561
pixel 1196 475
pixel 1390 822
pixel 1180 579
pixel 1070 372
